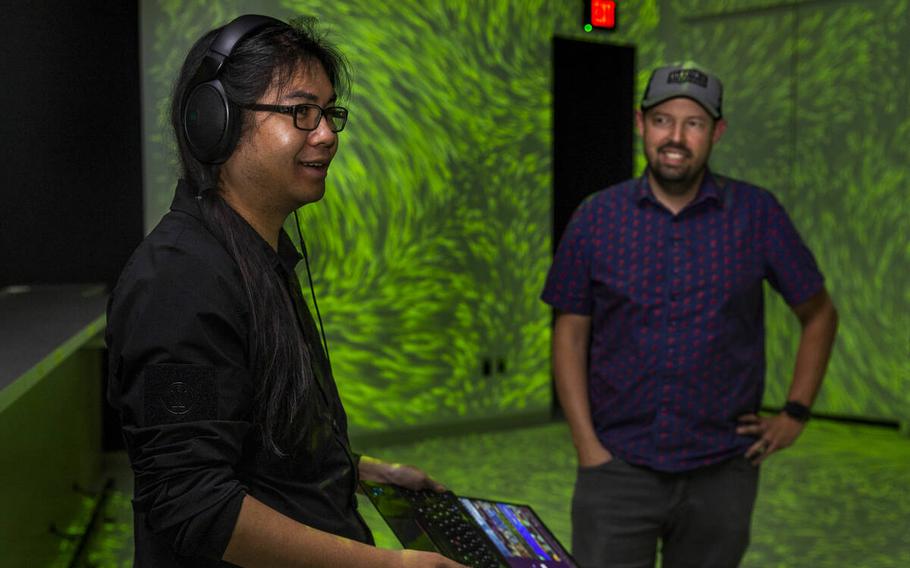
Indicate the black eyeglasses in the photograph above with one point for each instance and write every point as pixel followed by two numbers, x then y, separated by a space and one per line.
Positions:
pixel 307 115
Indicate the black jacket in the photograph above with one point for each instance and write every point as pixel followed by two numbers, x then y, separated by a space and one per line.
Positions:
pixel 178 335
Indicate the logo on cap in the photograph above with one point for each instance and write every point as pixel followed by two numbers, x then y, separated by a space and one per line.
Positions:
pixel 688 76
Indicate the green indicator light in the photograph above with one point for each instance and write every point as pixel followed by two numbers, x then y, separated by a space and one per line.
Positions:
pixel 588 27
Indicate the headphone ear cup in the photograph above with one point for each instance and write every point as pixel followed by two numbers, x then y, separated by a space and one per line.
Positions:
pixel 208 119
pixel 232 132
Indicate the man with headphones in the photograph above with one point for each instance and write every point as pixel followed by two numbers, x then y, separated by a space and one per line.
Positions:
pixel 230 413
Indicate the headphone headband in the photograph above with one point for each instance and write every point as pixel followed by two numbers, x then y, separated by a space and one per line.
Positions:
pixel 209 122
pixel 224 43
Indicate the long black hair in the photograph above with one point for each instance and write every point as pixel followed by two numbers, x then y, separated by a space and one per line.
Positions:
pixel 286 395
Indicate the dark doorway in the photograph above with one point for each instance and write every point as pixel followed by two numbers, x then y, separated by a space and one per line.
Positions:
pixel 593 121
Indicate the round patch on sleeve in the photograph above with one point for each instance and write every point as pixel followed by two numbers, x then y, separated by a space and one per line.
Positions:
pixel 179 393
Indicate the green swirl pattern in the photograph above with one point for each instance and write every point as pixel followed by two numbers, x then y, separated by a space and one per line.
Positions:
pixel 433 240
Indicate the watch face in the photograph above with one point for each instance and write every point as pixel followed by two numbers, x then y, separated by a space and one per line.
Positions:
pixel 797 411
pixel 799 418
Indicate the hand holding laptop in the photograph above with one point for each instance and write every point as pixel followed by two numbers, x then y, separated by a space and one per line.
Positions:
pixel 477 532
pixel 407 476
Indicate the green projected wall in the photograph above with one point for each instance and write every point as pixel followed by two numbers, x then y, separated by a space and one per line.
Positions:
pixel 432 243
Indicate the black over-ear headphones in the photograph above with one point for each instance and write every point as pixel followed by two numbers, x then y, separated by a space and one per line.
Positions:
pixel 210 122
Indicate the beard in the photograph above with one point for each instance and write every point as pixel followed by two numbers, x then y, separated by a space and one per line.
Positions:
pixel 676 180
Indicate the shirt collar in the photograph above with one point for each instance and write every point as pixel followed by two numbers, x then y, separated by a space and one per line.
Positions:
pixel 185 199
pixel 288 255
pixel 285 259
pixel 711 189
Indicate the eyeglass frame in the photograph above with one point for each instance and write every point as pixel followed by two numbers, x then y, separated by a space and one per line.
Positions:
pixel 292 110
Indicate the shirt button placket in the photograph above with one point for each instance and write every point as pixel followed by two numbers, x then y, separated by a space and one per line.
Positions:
pixel 676 259
pixel 674 287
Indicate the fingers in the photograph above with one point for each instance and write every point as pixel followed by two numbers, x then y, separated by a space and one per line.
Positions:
pixel 447 563
pixel 590 457
pixel 416 479
pixel 760 450
pixel 751 425
pixel 774 434
pixel 417 558
pixel 428 482
pixel 754 425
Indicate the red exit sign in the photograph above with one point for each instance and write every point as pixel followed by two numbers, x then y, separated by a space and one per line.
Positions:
pixel 600 14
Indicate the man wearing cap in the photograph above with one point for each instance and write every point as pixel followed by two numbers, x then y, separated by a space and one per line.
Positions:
pixel 658 345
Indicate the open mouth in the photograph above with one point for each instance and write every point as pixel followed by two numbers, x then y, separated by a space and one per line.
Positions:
pixel 674 155
pixel 315 169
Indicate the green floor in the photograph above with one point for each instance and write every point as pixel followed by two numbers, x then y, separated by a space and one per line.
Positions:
pixel 839 498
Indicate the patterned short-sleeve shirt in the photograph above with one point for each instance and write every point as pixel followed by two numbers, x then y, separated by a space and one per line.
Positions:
pixel 676 303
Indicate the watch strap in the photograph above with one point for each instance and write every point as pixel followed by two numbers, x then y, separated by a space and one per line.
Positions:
pixel 797 411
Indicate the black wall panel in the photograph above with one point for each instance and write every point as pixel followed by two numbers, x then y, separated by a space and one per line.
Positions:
pixel 71 165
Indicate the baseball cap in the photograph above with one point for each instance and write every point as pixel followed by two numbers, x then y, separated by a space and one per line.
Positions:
pixel 684 81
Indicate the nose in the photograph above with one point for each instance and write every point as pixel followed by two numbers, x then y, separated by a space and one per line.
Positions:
pixel 322 135
pixel 676 132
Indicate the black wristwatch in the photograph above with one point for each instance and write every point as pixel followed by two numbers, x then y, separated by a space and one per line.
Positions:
pixel 797 411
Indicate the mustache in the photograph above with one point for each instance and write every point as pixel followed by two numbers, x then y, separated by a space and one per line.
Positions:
pixel 677 147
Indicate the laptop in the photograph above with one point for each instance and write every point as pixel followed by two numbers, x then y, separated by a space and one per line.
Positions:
pixel 480 533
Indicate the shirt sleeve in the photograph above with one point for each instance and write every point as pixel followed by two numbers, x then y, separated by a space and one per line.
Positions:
pixel 790 266
pixel 568 284
pixel 180 380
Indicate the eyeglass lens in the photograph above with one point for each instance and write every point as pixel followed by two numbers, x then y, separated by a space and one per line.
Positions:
pixel 306 117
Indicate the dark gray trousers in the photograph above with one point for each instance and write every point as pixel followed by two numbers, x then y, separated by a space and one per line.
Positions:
pixel 701 518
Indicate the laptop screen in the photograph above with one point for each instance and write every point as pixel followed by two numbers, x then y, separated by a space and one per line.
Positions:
pixel 518 534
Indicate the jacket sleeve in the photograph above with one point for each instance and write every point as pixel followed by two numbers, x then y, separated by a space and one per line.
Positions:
pixel 177 337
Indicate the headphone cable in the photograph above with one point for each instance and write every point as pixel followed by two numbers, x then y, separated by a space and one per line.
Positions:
pixel 306 262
